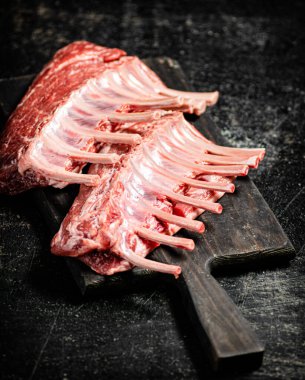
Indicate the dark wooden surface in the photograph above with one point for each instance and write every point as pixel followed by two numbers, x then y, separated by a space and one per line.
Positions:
pixel 254 55
pixel 247 232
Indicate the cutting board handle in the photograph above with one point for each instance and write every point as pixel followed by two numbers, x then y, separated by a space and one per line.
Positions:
pixel 226 334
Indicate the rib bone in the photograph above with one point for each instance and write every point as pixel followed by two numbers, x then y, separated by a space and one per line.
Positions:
pixel 189 224
pixel 225 170
pixel 59 146
pixel 105 93
pixel 211 206
pixel 151 265
pixel 172 241
pixel 228 188
pixel 151 196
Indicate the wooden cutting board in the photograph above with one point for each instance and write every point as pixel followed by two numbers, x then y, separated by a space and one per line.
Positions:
pixel 247 232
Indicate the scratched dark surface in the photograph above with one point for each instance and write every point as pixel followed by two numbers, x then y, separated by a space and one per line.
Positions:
pixel 254 54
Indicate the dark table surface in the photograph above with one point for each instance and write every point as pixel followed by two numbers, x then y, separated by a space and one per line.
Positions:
pixel 254 54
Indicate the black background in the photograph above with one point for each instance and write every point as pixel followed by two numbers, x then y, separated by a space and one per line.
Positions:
pixel 254 54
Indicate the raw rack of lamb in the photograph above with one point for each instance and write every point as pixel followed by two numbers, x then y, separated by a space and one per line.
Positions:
pixel 152 172
pixel 80 100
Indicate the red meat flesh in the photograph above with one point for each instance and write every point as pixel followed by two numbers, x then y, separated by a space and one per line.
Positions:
pixel 68 71
pixel 141 201
pixel 84 98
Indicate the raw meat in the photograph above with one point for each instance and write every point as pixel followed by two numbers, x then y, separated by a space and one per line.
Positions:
pixel 152 173
pixel 158 187
pixel 85 97
pixel 70 69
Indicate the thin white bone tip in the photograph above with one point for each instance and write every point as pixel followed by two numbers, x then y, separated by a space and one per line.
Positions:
pixel 214 98
pixel 201 227
pixel 218 208
pixel 97 158
pixel 150 264
pixel 245 170
pixel 177 272
pixel 137 139
pixel 90 179
pixel 160 238
pixel 118 138
pixel 200 108
pixel 158 114
pixel 113 158
pixel 86 179
pixel 190 245
pixel 253 162
pixel 231 188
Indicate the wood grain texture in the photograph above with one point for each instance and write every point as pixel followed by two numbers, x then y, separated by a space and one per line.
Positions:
pixel 254 54
pixel 247 231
